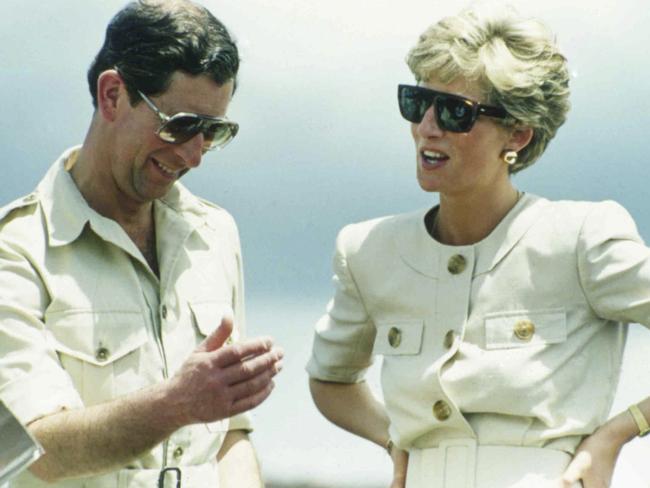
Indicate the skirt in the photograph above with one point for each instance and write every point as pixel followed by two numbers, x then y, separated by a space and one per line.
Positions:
pixel 461 463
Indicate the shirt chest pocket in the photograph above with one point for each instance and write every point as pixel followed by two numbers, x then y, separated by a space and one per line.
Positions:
pixel 207 316
pixel 525 329
pixel 106 354
pixel 399 337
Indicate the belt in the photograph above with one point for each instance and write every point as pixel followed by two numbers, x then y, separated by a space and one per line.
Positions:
pixel 461 463
pixel 193 476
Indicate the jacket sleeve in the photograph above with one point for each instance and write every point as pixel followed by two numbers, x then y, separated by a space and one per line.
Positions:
pixel 344 336
pixel 614 265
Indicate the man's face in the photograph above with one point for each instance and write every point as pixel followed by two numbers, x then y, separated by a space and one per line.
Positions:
pixel 144 167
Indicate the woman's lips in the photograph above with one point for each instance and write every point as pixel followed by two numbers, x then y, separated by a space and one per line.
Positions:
pixel 433 159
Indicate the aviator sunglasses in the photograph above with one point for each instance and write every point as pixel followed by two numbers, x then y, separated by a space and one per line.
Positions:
pixel 183 126
pixel 453 112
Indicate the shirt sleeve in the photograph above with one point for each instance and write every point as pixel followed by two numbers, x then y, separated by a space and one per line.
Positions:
pixel 344 336
pixel 614 265
pixel 32 382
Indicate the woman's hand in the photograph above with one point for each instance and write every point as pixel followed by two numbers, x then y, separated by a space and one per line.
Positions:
pixel 593 463
pixel 400 463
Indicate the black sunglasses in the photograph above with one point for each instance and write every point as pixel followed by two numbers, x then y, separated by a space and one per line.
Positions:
pixel 453 112
pixel 183 126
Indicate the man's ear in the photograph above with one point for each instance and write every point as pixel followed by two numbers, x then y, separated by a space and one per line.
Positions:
pixel 520 137
pixel 109 88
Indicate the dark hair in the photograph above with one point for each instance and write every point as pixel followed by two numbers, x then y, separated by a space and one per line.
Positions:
pixel 149 40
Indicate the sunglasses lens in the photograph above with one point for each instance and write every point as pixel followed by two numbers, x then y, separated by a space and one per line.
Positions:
pixel 178 130
pixel 182 128
pixel 413 103
pixel 454 114
pixel 218 134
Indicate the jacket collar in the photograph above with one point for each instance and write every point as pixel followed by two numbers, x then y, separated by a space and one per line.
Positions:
pixel 428 256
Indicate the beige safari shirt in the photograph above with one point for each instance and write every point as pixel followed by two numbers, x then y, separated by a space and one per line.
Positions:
pixel 516 340
pixel 83 319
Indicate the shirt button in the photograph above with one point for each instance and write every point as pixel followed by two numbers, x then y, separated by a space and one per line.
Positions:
pixel 441 410
pixel 394 337
pixel 102 354
pixel 178 452
pixel 163 311
pixel 456 264
pixel 450 337
pixel 524 330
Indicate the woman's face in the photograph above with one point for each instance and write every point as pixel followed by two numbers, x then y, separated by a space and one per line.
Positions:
pixel 460 164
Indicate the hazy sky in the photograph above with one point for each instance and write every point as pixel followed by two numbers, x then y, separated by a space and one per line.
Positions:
pixel 321 141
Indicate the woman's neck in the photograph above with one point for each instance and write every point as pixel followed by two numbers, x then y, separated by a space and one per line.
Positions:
pixel 466 220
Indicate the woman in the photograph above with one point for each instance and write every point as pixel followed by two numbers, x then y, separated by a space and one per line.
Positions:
pixel 500 315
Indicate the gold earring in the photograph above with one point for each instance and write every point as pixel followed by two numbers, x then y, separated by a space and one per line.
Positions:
pixel 510 157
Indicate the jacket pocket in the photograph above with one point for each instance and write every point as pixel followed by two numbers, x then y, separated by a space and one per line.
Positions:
pixel 399 337
pixel 96 347
pixel 508 330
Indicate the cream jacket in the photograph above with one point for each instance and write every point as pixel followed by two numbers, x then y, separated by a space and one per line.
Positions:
pixel 516 340
pixel 84 320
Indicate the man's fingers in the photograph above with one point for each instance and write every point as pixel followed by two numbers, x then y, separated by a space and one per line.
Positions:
pixel 254 366
pixel 253 385
pixel 238 352
pixel 252 401
pixel 218 337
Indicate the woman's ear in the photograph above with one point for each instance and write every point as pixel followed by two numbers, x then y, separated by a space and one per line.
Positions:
pixel 109 85
pixel 520 137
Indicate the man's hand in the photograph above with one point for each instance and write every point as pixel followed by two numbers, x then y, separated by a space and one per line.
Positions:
pixel 219 381
pixel 214 383
pixel 400 463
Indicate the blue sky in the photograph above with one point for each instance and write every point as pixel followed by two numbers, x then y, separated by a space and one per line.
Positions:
pixel 322 143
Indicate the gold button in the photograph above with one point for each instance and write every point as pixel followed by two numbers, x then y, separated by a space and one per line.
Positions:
pixel 163 311
pixel 394 337
pixel 524 330
pixel 456 264
pixel 178 452
pixel 441 410
pixel 450 337
pixel 102 354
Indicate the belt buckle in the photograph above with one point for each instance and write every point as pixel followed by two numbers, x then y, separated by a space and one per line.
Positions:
pixel 164 471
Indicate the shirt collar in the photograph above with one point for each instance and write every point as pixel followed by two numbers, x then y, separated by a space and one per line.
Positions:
pixel 66 211
pixel 423 253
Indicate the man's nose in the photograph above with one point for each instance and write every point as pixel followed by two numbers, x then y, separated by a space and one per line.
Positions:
pixel 191 151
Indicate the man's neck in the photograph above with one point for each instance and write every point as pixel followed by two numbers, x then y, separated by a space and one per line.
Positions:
pixel 135 218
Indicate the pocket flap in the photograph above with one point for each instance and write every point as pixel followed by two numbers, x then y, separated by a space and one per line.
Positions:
pixel 525 329
pixel 399 337
pixel 98 338
pixel 208 315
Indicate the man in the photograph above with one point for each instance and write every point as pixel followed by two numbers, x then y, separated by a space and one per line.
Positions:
pixel 120 291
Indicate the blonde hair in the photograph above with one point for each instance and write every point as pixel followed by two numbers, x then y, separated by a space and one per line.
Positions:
pixel 515 60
